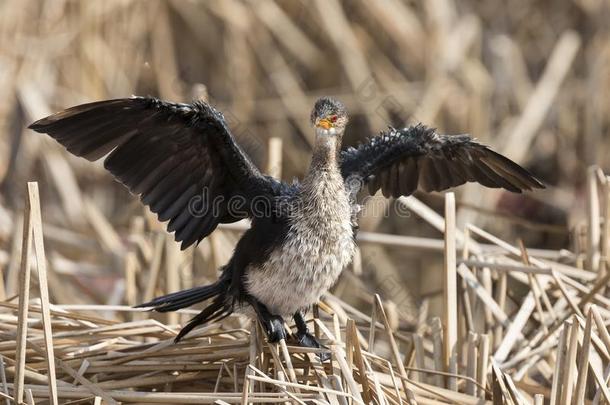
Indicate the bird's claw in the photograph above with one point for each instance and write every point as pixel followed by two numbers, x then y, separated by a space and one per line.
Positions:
pixel 308 340
pixel 275 329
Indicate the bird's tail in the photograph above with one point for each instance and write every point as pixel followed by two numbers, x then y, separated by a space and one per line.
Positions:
pixel 220 307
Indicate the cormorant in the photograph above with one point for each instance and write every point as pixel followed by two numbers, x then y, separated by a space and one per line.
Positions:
pixel 184 163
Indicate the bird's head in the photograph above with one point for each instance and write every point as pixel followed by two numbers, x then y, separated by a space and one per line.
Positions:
pixel 329 117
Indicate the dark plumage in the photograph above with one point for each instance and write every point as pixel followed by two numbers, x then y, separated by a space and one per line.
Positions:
pixel 400 160
pixel 183 162
pixel 168 154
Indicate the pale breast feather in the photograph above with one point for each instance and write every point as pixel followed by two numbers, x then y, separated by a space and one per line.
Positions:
pixel 317 247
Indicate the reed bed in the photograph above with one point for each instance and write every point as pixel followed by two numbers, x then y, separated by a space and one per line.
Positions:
pixel 501 299
pixel 515 329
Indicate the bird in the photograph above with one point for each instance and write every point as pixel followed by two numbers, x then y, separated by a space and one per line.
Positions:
pixel 184 163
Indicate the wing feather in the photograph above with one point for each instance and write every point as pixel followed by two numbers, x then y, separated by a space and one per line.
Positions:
pixel 385 182
pixel 374 184
pixel 178 203
pixel 410 175
pixel 168 154
pixel 513 178
pixel 443 173
pixel 428 179
pixel 400 161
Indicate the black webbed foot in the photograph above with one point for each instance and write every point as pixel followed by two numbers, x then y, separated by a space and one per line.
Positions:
pixel 306 339
pixel 274 326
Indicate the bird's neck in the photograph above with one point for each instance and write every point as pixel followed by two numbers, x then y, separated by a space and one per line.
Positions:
pixel 322 193
pixel 325 156
pixel 323 185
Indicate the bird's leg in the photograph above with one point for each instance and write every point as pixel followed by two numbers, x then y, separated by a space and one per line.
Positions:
pixel 305 338
pixel 273 324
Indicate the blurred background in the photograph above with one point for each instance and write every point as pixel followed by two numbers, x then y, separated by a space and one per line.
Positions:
pixel 529 78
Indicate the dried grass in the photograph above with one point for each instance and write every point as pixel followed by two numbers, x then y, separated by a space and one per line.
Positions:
pixel 517 324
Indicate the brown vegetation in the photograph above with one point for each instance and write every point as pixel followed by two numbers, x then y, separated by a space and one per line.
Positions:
pixel 532 79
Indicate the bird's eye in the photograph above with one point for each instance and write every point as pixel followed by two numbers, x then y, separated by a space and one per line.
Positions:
pixel 333 118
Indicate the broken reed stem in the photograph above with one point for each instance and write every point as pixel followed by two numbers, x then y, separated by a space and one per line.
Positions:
pixel 570 370
pixel 274 161
pixel 24 297
pixel 393 345
pixel 605 241
pixel 3 381
pixel 583 361
pixel 450 292
pixel 33 232
pixel 559 365
pixel 41 265
pixel 483 364
pixel 593 220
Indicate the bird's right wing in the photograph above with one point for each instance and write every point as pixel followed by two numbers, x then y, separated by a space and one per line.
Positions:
pixel 401 161
pixel 181 159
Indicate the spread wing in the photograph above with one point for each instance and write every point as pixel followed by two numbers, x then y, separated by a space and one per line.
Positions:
pixel 401 161
pixel 181 159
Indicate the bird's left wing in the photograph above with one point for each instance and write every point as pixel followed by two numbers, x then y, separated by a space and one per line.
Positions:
pixel 181 159
pixel 401 161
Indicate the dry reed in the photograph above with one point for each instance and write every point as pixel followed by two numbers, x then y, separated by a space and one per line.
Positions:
pixel 508 324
